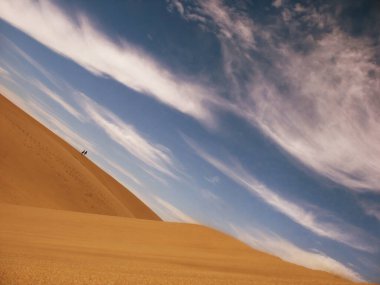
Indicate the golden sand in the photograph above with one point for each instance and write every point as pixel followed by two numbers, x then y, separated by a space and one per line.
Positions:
pixel 44 246
pixel 64 221
pixel 37 168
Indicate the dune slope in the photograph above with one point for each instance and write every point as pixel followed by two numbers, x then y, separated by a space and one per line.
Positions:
pixel 44 246
pixel 65 221
pixel 40 169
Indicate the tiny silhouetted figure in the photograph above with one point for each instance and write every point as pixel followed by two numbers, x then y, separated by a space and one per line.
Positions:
pixel 84 152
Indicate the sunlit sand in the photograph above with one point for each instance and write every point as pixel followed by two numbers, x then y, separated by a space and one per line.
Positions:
pixel 64 221
pixel 40 169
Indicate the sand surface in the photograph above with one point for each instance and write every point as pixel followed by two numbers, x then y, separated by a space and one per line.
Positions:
pixel 37 168
pixel 64 221
pixel 44 246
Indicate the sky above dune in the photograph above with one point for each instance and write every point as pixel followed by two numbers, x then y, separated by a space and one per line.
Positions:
pixel 258 118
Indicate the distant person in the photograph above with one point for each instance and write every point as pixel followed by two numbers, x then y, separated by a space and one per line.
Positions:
pixel 83 152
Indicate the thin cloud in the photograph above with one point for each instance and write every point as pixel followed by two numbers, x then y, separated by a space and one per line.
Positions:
pixel 229 26
pixel 58 126
pixel 186 13
pixel 13 97
pixel 313 219
pixel 171 213
pixel 316 118
pixel 371 208
pixel 57 98
pixel 37 66
pixel 41 112
pixel 122 170
pixel 315 96
pixel 277 3
pixel 156 176
pixel 177 5
pixel 330 121
pixel 211 197
pixel 153 155
pixel 3 72
pixel 288 251
pixel 213 179
pixel 79 41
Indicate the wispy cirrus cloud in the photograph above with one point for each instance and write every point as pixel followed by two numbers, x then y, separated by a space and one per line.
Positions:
pixel 277 3
pixel 122 170
pixel 20 77
pixel 213 179
pixel 371 208
pixel 58 99
pixel 229 24
pixel 219 18
pixel 309 86
pixel 314 219
pixel 169 212
pixel 43 114
pixel 77 39
pixel 272 243
pixel 329 118
pixel 319 103
pixel 234 31
pixel 154 156
pixel 4 72
pixel 12 96
pixel 32 62
pixel 58 125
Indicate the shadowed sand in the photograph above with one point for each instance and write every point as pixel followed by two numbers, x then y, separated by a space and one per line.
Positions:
pixel 82 226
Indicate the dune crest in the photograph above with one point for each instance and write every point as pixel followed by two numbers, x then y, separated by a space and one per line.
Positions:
pixel 40 169
pixel 65 221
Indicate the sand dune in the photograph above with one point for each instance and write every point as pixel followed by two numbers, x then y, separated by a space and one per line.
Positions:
pixel 43 246
pixel 82 226
pixel 40 169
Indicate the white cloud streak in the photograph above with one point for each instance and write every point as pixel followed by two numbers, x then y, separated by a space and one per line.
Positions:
pixel 213 179
pixel 331 120
pixel 37 66
pixel 79 41
pixel 320 104
pixel 154 156
pixel 236 34
pixel 229 26
pixel 12 96
pixel 288 251
pixel 211 197
pixel 3 72
pixel 41 112
pixel 58 126
pixel 277 3
pixel 313 219
pixel 171 213
pixel 122 170
pixel 371 208
pixel 57 98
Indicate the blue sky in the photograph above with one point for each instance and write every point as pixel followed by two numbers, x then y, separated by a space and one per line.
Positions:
pixel 258 118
